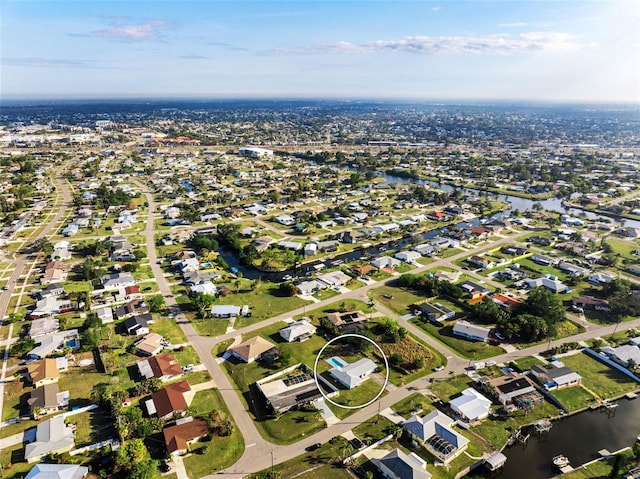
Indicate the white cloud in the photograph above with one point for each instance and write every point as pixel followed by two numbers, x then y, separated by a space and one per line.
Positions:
pixel 489 44
pixel 45 62
pixel 134 32
pixel 513 25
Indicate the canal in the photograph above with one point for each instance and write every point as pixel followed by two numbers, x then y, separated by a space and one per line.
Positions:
pixel 577 437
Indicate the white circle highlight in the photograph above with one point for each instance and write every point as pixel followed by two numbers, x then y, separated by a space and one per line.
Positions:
pixel 386 365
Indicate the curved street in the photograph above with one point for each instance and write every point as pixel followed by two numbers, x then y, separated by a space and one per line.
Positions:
pixel 259 453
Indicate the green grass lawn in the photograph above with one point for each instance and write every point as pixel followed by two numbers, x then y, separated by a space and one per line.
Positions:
pixel 326 294
pixel 77 286
pixel 527 363
pixel 344 305
pixel 222 451
pixel 210 326
pixel 354 397
pixel 447 253
pixel 291 426
pixel 451 387
pixel 413 403
pixel 598 377
pixel 264 301
pixel 497 431
pixel 188 355
pixel 169 330
pixel 472 350
pixel 396 299
pixel 574 398
pixel 92 426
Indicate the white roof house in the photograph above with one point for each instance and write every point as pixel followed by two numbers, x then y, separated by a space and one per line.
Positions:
pixel 335 278
pixel 549 281
pixel 354 374
pixel 310 287
pixel 206 287
pixel 470 331
pixel 57 471
pixel 52 435
pixel 225 311
pixel 297 331
pixel 408 256
pixel 105 314
pixel 385 262
pixel 471 405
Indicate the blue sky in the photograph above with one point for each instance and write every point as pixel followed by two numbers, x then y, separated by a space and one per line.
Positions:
pixel 509 49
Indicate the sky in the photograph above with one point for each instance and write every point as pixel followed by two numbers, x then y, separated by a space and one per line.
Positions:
pixel 549 51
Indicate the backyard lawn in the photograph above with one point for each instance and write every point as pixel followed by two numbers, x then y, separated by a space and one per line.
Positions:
pixel 169 330
pixel 574 398
pixel 606 382
pixel 221 452
pixel 416 402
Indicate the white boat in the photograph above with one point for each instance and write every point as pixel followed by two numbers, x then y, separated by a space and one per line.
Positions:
pixel 560 461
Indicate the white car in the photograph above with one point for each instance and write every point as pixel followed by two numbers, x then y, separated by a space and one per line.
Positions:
pixel 438 368
pixel 188 368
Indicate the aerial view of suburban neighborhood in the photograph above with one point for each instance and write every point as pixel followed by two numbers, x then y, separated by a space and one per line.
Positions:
pixel 185 294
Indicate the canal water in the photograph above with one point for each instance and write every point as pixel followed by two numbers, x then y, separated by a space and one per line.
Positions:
pixel 577 437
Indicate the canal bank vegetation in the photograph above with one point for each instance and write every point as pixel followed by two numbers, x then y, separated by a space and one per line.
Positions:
pixel 618 466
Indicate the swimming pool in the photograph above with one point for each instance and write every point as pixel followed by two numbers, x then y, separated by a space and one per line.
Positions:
pixel 336 362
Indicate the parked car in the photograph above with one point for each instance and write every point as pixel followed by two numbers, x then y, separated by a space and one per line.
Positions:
pixel 313 447
pixel 164 466
pixel 438 368
pixel 188 368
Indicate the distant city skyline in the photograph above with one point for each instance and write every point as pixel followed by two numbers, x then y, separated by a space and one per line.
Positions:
pixel 548 51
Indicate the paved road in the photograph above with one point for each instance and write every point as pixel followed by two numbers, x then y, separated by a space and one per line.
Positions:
pixel 260 454
pixel 63 194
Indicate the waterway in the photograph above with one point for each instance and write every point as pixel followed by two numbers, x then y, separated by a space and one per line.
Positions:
pixel 578 437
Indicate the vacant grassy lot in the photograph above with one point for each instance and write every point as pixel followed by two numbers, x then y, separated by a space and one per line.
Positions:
pixel 92 426
pixel 473 350
pixel 451 387
pixel 319 464
pixel 169 330
pixel 606 382
pixel 221 451
pixel 527 363
pixel 413 403
pixel 265 301
pixel 396 299
pixel 574 398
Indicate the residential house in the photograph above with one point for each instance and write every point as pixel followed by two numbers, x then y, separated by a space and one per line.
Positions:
pixel 572 269
pixel 328 246
pixel 310 249
pixel 512 274
pixel 335 279
pixel 54 275
pixel 46 399
pixel 263 243
pixel 474 289
pixel 480 262
pixel 172 400
pixel 544 260
pixel 226 311
pixel 205 287
pixel 425 249
pixel 556 376
pixel 292 245
pixel 178 438
pixel 55 343
pixel 437 216
pixel 470 331
pixel 52 290
pixel 387 227
pixel 49 306
pixel 363 270
pixel 105 314
pixel 134 307
pixel 450 276
pixel 509 388
pixel 149 345
pixel 349 237
pixel 399 465
pixel 310 287
pixel 549 281
pixel 408 256
pixel 285 220
pixel 385 262
pixel 254 349
pixel 43 326
pixel 43 372
pixel 598 279
pixel 354 374
pixel 505 300
pixel 589 302
pixel 298 331
pixel 627 355
pixel 348 322
pixel 471 406
pixel 138 325
pixel 53 436
pixel 164 367
pixel 436 312
pixel 189 265
pixel 57 471
pixel 435 432
pixel 116 281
